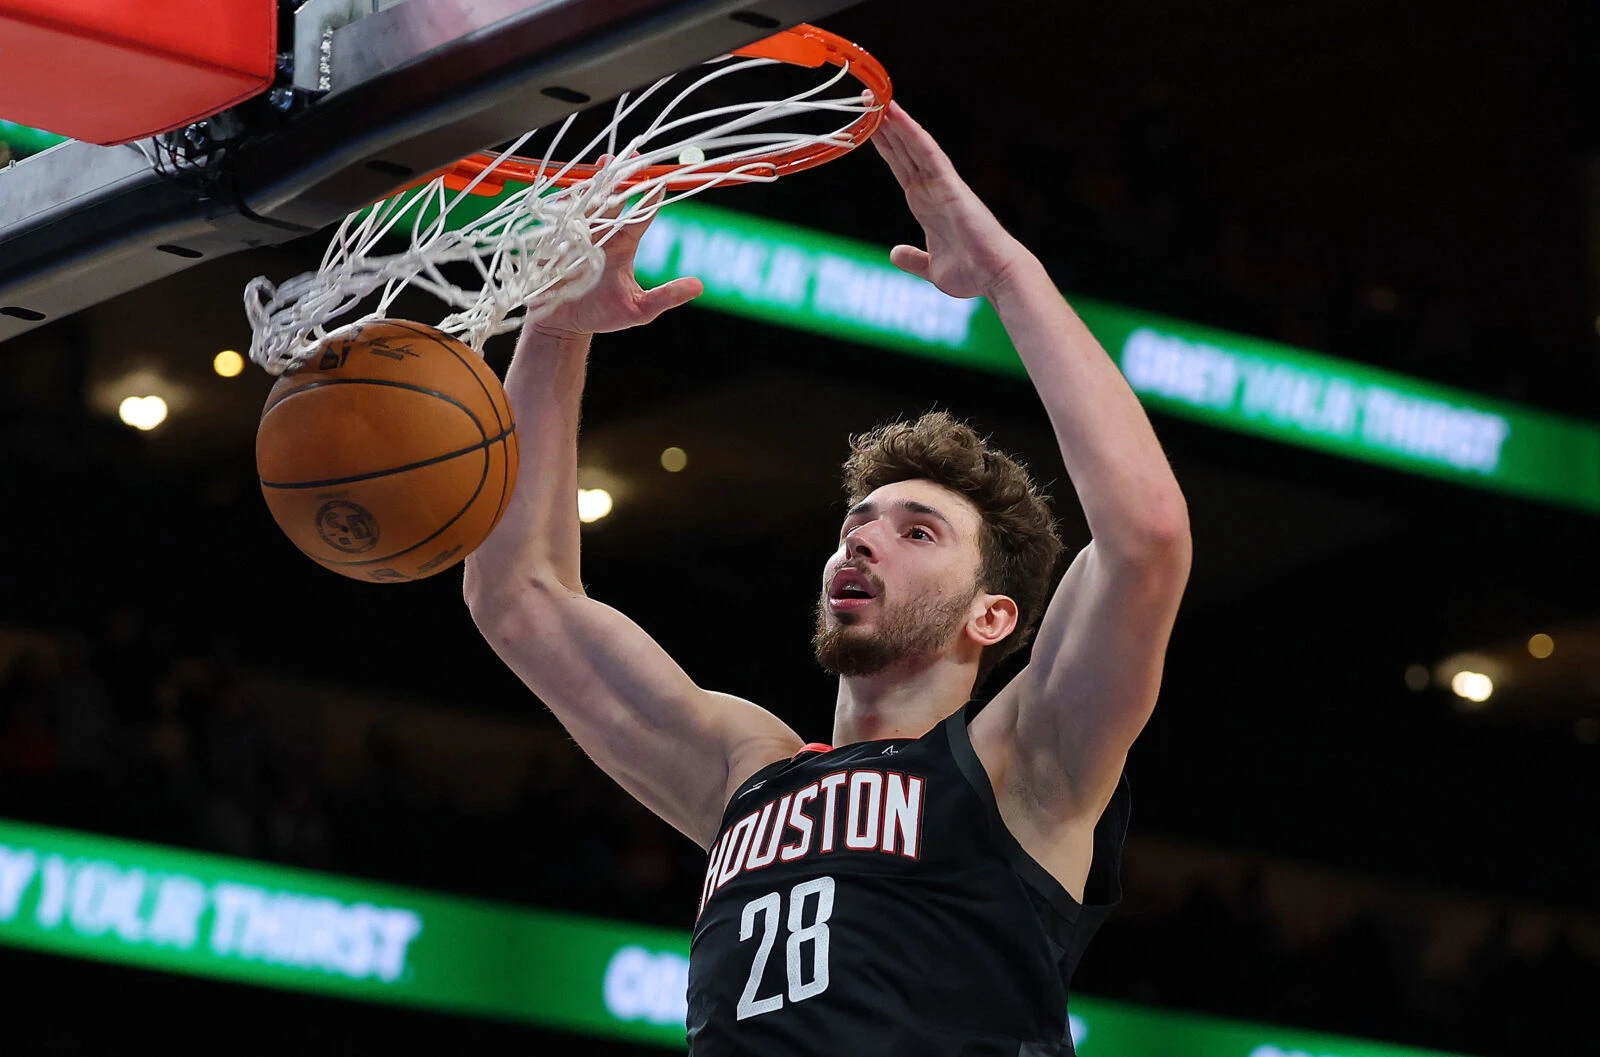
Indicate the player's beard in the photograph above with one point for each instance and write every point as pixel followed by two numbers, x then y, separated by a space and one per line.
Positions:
pixel 918 628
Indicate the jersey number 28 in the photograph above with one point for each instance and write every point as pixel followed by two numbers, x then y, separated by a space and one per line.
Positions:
pixel 802 985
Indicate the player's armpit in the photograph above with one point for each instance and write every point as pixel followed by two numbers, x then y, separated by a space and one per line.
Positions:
pixel 680 750
pixel 1058 735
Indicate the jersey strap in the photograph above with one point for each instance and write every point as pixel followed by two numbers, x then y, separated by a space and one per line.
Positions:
pixel 1103 889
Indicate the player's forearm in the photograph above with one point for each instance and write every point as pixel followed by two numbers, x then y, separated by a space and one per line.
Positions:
pixel 1126 487
pixel 537 539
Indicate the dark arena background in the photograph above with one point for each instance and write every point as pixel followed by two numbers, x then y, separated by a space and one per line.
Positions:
pixel 1364 810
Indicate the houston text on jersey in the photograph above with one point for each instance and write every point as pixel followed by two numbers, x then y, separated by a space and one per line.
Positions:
pixel 849 810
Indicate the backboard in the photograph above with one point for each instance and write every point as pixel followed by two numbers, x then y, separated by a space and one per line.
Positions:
pixel 382 91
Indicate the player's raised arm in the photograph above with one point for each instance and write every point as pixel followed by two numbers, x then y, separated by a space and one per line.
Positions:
pixel 1059 734
pixel 679 749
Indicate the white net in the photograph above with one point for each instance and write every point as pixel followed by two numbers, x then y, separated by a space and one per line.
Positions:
pixel 541 244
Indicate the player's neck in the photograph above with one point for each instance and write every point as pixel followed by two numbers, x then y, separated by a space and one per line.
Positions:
pixel 898 703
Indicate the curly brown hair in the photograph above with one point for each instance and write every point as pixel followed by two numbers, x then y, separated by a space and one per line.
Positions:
pixel 1018 546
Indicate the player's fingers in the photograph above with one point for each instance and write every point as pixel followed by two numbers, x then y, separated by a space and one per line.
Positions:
pixel 902 117
pixel 890 131
pixel 910 130
pixel 910 259
pixel 889 153
pixel 645 208
pixel 908 137
pixel 671 295
pixel 918 142
pixel 912 154
pixel 615 202
pixel 891 147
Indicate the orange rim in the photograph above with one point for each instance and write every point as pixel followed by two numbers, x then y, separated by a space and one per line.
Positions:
pixel 803 45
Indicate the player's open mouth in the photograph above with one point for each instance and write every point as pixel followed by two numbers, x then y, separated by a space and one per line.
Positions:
pixel 851 590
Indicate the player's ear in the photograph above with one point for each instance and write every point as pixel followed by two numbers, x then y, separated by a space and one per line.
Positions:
pixel 995 621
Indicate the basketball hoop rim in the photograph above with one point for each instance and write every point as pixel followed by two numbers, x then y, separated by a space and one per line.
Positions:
pixel 802 45
pixel 542 242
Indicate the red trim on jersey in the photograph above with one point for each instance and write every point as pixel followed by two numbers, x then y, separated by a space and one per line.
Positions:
pixel 814 746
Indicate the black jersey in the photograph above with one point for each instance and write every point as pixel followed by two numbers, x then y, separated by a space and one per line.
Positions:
pixel 869 900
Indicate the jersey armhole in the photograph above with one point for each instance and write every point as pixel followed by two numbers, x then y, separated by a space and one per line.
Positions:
pixel 749 784
pixel 1102 890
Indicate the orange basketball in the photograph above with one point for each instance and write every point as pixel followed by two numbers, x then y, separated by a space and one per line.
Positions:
pixel 390 455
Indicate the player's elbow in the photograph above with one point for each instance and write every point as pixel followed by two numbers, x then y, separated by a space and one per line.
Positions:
pixel 472 583
pixel 486 593
pixel 1157 539
pixel 493 611
pixel 1169 540
pixel 503 607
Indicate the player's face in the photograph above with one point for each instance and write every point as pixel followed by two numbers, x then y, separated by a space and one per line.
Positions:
pixel 902 582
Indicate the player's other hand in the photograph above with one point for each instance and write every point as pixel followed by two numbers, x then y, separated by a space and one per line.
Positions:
pixel 617 301
pixel 969 254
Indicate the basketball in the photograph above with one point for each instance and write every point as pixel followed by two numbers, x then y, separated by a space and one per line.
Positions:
pixel 390 455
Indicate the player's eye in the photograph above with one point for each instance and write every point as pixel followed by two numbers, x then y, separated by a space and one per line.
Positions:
pixel 925 533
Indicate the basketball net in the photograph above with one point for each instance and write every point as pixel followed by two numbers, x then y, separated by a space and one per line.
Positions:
pixel 541 245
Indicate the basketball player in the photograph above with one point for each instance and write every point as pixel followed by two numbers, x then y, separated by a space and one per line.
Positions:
pixel 925 886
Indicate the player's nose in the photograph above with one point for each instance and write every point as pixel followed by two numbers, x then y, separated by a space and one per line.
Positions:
pixel 858 544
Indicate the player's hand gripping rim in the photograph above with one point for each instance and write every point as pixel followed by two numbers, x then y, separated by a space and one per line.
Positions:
pixel 969 254
pixel 617 301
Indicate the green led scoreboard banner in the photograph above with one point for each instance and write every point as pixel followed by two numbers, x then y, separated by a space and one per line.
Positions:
pixel 251 923
pixel 186 912
pixel 799 278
